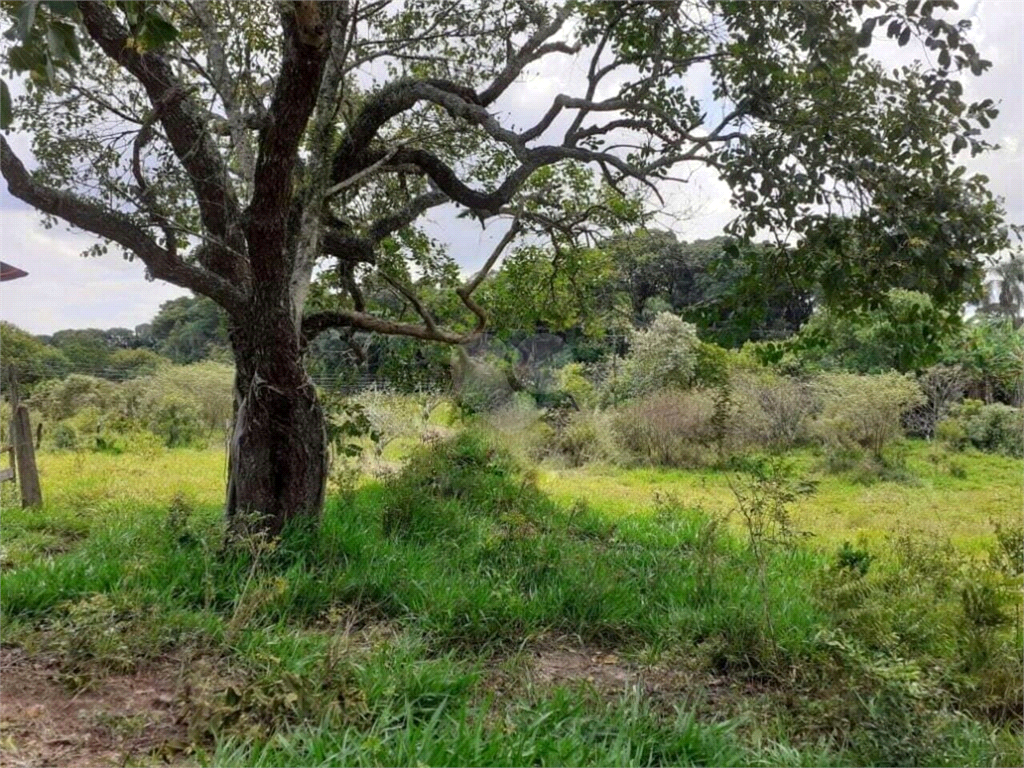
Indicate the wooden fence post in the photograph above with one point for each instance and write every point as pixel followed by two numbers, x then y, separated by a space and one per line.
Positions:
pixel 24 450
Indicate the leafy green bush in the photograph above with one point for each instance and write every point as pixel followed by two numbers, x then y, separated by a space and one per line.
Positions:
pixel 663 355
pixel 97 429
pixel 951 432
pixel 711 366
pixel 997 428
pixel 480 386
pixel 58 400
pixel 864 411
pixel 990 352
pixel 573 380
pixel 207 386
pixel 64 437
pixel 890 467
pixel 1007 555
pixel 586 437
pixel 177 421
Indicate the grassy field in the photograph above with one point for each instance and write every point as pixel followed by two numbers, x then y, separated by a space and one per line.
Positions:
pixel 470 611
pixel 934 502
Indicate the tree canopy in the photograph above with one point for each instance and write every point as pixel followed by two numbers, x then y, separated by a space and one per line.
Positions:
pixel 193 96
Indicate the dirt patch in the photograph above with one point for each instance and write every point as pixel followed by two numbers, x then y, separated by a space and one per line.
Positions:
pixel 120 718
pixel 566 663
pixel 605 671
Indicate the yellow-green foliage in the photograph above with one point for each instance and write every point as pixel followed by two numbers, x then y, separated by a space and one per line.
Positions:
pixel 587 437
pixel 865 411
pixel 572 379
pixel 207 386
pixel 180 405
pixel 392 416
pixel 55 400
pixel 663 355
pixel 941 504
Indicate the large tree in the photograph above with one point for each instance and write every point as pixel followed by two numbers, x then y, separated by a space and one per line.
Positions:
pixel 233 147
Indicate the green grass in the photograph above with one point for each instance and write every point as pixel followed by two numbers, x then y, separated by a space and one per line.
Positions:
pixel 413 626
pixel 936 503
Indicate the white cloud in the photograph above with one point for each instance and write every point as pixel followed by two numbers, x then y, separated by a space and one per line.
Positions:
pixel 65 290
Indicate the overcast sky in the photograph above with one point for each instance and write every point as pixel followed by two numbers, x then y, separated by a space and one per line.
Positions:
pixel 66 290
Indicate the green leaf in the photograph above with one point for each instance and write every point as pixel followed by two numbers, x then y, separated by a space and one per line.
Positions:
pixel 904 36
pixel 26 18
pixel 959 143
pixel 64 8
pixel 6 115
pixel 157 32
pixel 944 58
pixel 24 59
pixel 864 38
pixel 131 12
pixel 62 42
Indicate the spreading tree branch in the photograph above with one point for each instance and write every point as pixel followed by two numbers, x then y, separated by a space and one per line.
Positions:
pixel 121 229
pixel 184 125
pixel 307 44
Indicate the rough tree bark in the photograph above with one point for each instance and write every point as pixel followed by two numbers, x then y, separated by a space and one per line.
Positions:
pixel 278 449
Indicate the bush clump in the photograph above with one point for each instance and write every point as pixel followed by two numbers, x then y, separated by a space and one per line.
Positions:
pixel 586 437
pixel 773 411
pixel 663 355
pixel 865 411
pixel 669 428
pixel 446 484
pixel 997 428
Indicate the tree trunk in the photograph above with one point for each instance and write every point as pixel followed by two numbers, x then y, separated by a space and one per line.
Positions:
pixel 277 455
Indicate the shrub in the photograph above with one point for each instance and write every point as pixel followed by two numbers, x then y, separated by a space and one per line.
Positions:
pixel 1007 556
pixel 573 380
pixel 943 387
pixel 586 437
pixel 773 411
pixel 207 386
pixel 445 484
pixel 891 468
pixel 391 416
pixel 480 387
pixel 711 366
pixel 59 400
pixel 64 437
pixel 669 428
pixel 522 428
pixel 865 411
pixel 90 423
pixel 177 421
pixel 951 432
pixel 997 428
pixel 664 355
